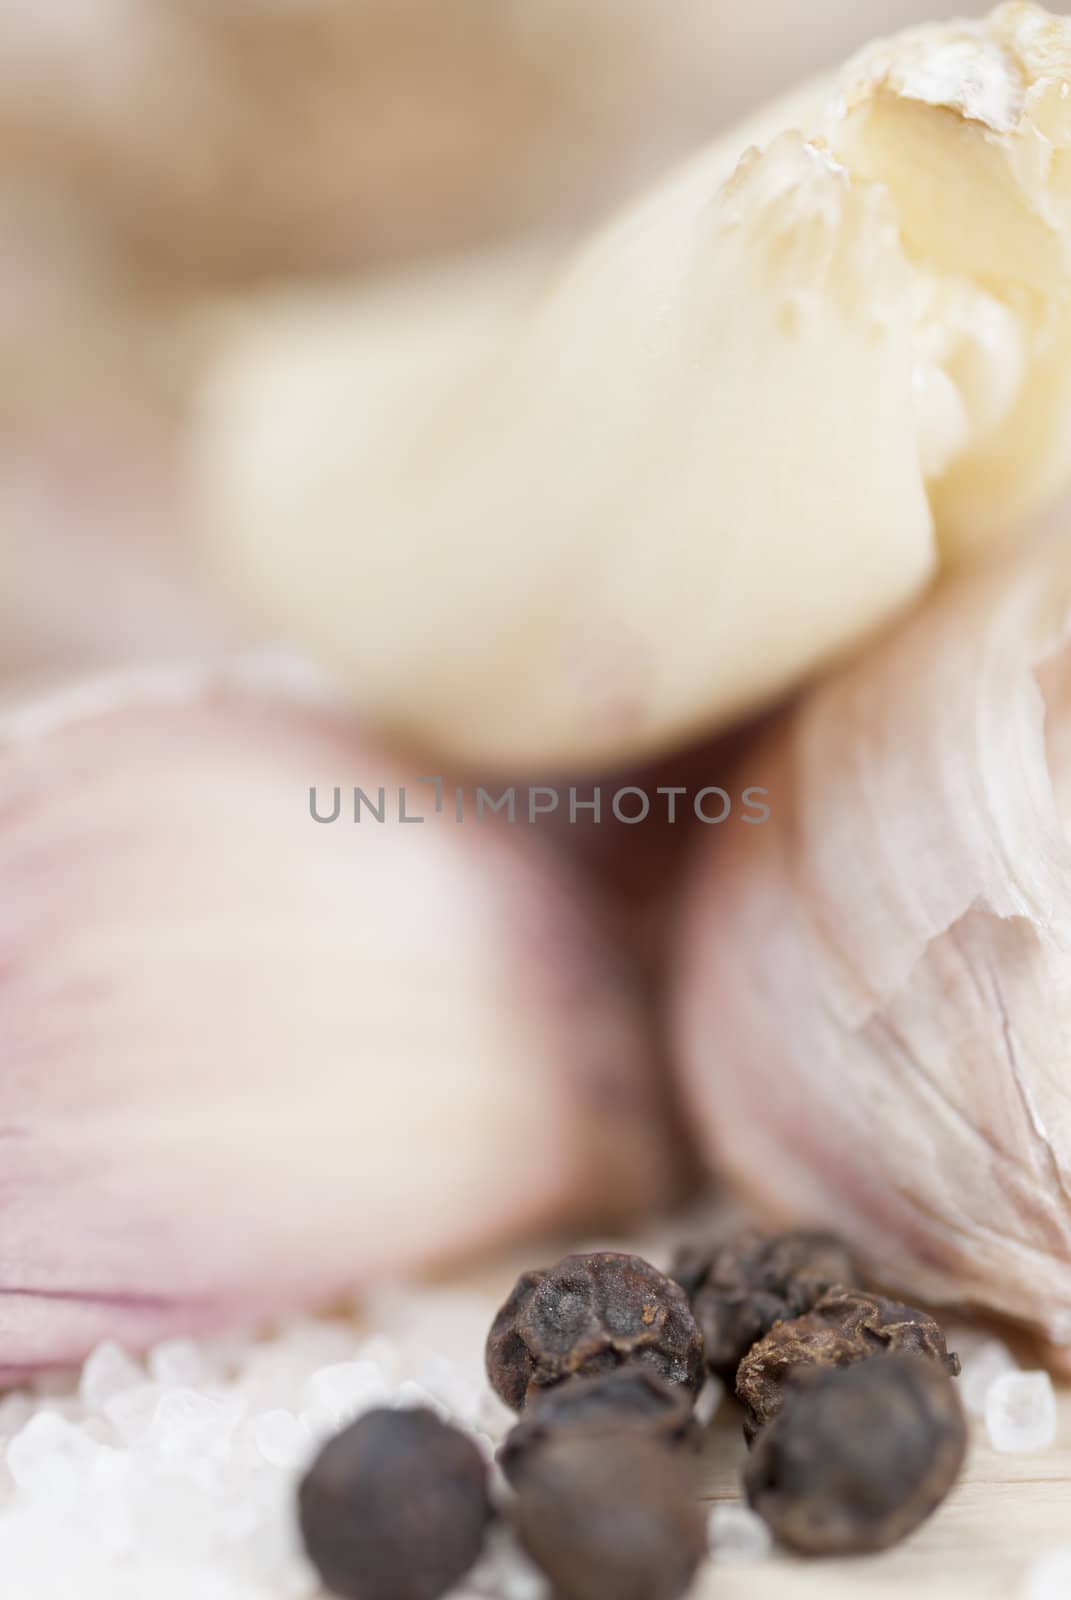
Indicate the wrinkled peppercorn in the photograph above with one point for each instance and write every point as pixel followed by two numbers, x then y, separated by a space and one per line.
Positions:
pixel 741 1287
pixel 844 1327
pixel 589 1315
pixel 395 1507
pixel 859 1456
pixel 631 1397
pixel 610 1522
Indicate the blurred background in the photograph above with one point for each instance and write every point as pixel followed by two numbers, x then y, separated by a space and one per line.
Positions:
pixel 156 155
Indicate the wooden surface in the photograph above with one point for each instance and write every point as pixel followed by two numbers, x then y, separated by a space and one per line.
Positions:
pixel 1007 1510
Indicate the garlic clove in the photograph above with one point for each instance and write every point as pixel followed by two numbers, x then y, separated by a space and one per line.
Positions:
pixel 968 125
pixel 576 515
pixel 873 1001
pixel 602 519
pixel 248 1061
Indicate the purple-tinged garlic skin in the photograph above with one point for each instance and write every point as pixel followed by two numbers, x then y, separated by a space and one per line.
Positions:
pixel 873 1009
pixel 249 1061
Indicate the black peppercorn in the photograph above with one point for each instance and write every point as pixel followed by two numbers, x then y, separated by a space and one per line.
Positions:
pixel 630 1397
pixel 844 1327
pixel 858 1456
pixel 589 1315
pixel 742 1286
pixel 395 1507
pixel 610 1522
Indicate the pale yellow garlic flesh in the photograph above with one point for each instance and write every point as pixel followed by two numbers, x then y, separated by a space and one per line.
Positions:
pixel 873 1002
pixel 533 552
pixel 969 128
pixel 573 517
pixel 251 1060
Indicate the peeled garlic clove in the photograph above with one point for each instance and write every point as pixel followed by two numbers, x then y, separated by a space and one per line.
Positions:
pixel 247 1060
pixel 578 518
pixel 874 989
pixel 550 533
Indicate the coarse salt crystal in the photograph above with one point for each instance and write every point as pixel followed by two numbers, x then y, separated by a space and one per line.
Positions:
pixel 493 1416
pixel 50 1455
pixel 1048 1577
pixel 710 1398
pixel 383 1353
pixel 274 1372
pixel 108 1504
pixel 736 1533
pixel 180 1361
pixel 179 1480
pixel 458 1392
pixel 983 1359
pixel 1020 1412
pixel 131 1411
pixel 337 1394
pixel 107 1372
pixel 282 1439
pixel 16 1409
pixel 413 1395
pixel 504 1572
pixel 188 1422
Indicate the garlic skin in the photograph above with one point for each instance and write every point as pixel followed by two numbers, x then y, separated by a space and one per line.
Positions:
pixel 572 516
pixel 249 1061
pixel 94 572
pixel 873 990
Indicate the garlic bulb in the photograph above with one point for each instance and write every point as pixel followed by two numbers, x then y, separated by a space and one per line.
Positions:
pixel 248 1060
pixel 874 988
pixel 571 519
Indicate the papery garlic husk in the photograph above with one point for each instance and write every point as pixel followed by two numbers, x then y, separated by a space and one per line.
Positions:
pixel 551 520
pixel 873 991
pixel 248 1060
pixel 94 571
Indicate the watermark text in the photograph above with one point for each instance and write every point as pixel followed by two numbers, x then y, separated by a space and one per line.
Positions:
pixel 629 804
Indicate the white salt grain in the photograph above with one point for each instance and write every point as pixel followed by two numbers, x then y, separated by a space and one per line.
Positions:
pixel 459 1393
pixel 180 1361
pixel 1020 1412
pixel 1048 1577
pixel 336 1394
pixel 414 1396
pixel 983 1359
pixel 710 1398
pixel 131 1411
pixel 385 1354
pixel 275 1372
pixel 108 1505
pixel 107 1372
pixel 504 1573
pixel 50 1455
pixel 188 1422
pixel 16 1409
pixel 181 1481
pixel 282 1439
pixel 736 1533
